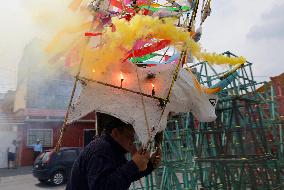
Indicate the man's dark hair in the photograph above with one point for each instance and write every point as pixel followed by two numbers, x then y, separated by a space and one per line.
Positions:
pixel 108 123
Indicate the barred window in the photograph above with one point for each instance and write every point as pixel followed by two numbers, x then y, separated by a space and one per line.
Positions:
pixel 44 135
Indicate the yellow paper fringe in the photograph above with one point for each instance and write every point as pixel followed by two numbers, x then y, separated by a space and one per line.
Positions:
pixel 117 44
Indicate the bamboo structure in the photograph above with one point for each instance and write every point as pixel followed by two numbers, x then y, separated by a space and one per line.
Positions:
pixel 242 149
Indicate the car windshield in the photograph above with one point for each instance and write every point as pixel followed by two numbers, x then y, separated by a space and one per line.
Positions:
pixel 44 157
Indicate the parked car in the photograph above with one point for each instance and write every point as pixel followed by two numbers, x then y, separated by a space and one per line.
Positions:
pixel 55 167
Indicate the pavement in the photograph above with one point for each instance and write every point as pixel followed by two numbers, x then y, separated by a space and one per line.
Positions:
pixel 4 172
pixel 22 179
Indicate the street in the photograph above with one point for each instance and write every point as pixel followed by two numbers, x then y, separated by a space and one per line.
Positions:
pixel 22 179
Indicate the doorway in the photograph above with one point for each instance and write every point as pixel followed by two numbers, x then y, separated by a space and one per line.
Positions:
pixel 89 135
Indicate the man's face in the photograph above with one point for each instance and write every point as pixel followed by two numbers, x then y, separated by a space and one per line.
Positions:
pixel 125 137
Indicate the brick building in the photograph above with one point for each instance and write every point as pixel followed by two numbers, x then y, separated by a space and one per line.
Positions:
pixel 278 85
pixel 42 124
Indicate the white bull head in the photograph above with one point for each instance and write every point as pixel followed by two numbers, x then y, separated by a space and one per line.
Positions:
pixel 147 117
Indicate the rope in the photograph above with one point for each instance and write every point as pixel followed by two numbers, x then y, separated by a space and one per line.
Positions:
pixel 193 16
pixel 135 6
pixel 63 129
pixel 164 54
pixel 182 56
pixel 121 88
pixel 123 7
pixel 205 12
pixel 203 3
pixel 142 99
pixel 64 126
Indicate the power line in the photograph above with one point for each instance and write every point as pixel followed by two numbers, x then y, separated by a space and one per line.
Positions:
pixel 261 76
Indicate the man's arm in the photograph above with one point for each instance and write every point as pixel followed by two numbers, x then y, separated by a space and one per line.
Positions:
pixel 148 171
pixel 102 174
pixel 153 163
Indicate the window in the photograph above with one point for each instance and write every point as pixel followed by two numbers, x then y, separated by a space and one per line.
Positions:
pixel 44 135
pixel 69 155
pixel 52 95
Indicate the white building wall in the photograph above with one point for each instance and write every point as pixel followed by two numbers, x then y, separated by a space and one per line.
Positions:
pixel 7 135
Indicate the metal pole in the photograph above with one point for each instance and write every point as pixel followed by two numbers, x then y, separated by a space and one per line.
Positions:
pixel 281 139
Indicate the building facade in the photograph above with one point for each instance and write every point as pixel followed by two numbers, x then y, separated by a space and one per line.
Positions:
pixel 41 98
pixel 8 125
pixel 278 85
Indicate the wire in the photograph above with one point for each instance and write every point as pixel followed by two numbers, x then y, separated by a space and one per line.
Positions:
pixel 261 76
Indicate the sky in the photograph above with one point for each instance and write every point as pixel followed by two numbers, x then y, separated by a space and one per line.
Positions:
pixel 253 29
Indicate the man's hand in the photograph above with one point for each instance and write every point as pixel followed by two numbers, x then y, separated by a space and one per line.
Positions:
pixel 141 159
pixel 133 150
pixel 156 158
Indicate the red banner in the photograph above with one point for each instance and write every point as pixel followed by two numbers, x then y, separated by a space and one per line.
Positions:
pixel 150 49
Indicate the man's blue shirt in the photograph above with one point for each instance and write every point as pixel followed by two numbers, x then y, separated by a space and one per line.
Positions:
pixel 37 147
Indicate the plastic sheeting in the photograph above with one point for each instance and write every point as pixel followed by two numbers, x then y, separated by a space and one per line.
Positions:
pixel 187 96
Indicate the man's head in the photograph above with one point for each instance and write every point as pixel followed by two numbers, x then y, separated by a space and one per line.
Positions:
pixel 121 132
pixel 125 137
pixel 37 141
pixel 14 142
